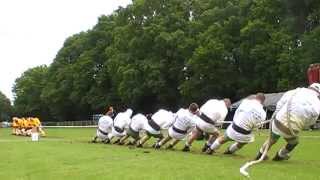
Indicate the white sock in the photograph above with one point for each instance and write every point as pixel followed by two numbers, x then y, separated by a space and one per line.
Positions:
pixel 215 145
pixel 233 148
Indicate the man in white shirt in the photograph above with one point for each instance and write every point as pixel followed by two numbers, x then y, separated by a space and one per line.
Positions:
pixel 137 124
pixel 160 120
pixel 185 121
pixel 211 113
pixel 297 109
pixel 249 115
pixel 120 123
pixel 104 129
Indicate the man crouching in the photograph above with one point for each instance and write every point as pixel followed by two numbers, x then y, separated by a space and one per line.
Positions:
pixel 184 123
pixel 249 115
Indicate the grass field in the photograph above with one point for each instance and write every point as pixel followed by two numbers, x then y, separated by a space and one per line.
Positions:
pixel 66 154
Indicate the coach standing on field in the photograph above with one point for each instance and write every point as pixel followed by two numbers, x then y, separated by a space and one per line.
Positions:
pixel 211 112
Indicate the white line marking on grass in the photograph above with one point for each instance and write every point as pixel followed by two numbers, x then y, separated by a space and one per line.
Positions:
pixel 28 140
pixel 316 137
pixel 312 137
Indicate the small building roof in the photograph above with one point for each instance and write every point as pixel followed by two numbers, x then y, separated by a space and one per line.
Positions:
pixel 270 102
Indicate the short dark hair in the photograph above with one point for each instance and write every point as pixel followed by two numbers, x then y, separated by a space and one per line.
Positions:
pixel 193 107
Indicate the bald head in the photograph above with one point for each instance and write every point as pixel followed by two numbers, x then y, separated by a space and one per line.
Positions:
pixel 261 97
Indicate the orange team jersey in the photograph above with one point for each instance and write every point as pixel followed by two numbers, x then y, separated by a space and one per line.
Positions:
pixel 30 123
pixel 15 123
pixel 24 123
pixel 20 123
pixel 36 122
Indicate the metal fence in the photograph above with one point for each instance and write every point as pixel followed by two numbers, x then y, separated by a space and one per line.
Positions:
pixel 71 123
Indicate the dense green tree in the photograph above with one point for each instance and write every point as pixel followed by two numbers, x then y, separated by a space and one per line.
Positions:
pixel 5 108
pixel 27 90
pixel 167 53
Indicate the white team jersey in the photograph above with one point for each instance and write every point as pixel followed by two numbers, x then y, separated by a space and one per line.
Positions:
pixel 105 124
pixel 284 99
pixel 185 120
pixel 138 122
pixel 216 110
pixel 298 108
pixel 163 118
pixel 249 115
pixel 122 119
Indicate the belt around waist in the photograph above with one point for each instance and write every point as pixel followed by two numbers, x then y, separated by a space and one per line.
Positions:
pixel 102 132
pixel 119 130
pixel 240 129
pixel 154 125
pixel 179 130
pixel 206 118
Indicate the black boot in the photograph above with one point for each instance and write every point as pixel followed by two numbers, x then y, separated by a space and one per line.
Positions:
pixel 205 147
pixel 117 141
pixel 170 146
pixel 107 141
pixel 94 140
pixel 209 151
pixel 157 146
pixel 139 145
pixel 186 148
pixel 277 157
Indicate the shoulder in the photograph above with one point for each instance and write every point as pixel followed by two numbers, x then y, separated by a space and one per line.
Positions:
pixel 139 115
pixel 182 111
pixel 211 102
pixel 103 118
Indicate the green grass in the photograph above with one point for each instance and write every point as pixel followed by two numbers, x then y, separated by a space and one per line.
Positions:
pixel 66 154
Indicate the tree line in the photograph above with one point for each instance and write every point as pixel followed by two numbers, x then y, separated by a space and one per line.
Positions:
pixel 5 108
pixel 168 53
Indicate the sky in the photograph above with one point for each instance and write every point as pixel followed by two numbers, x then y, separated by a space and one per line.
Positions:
pixel 33 31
